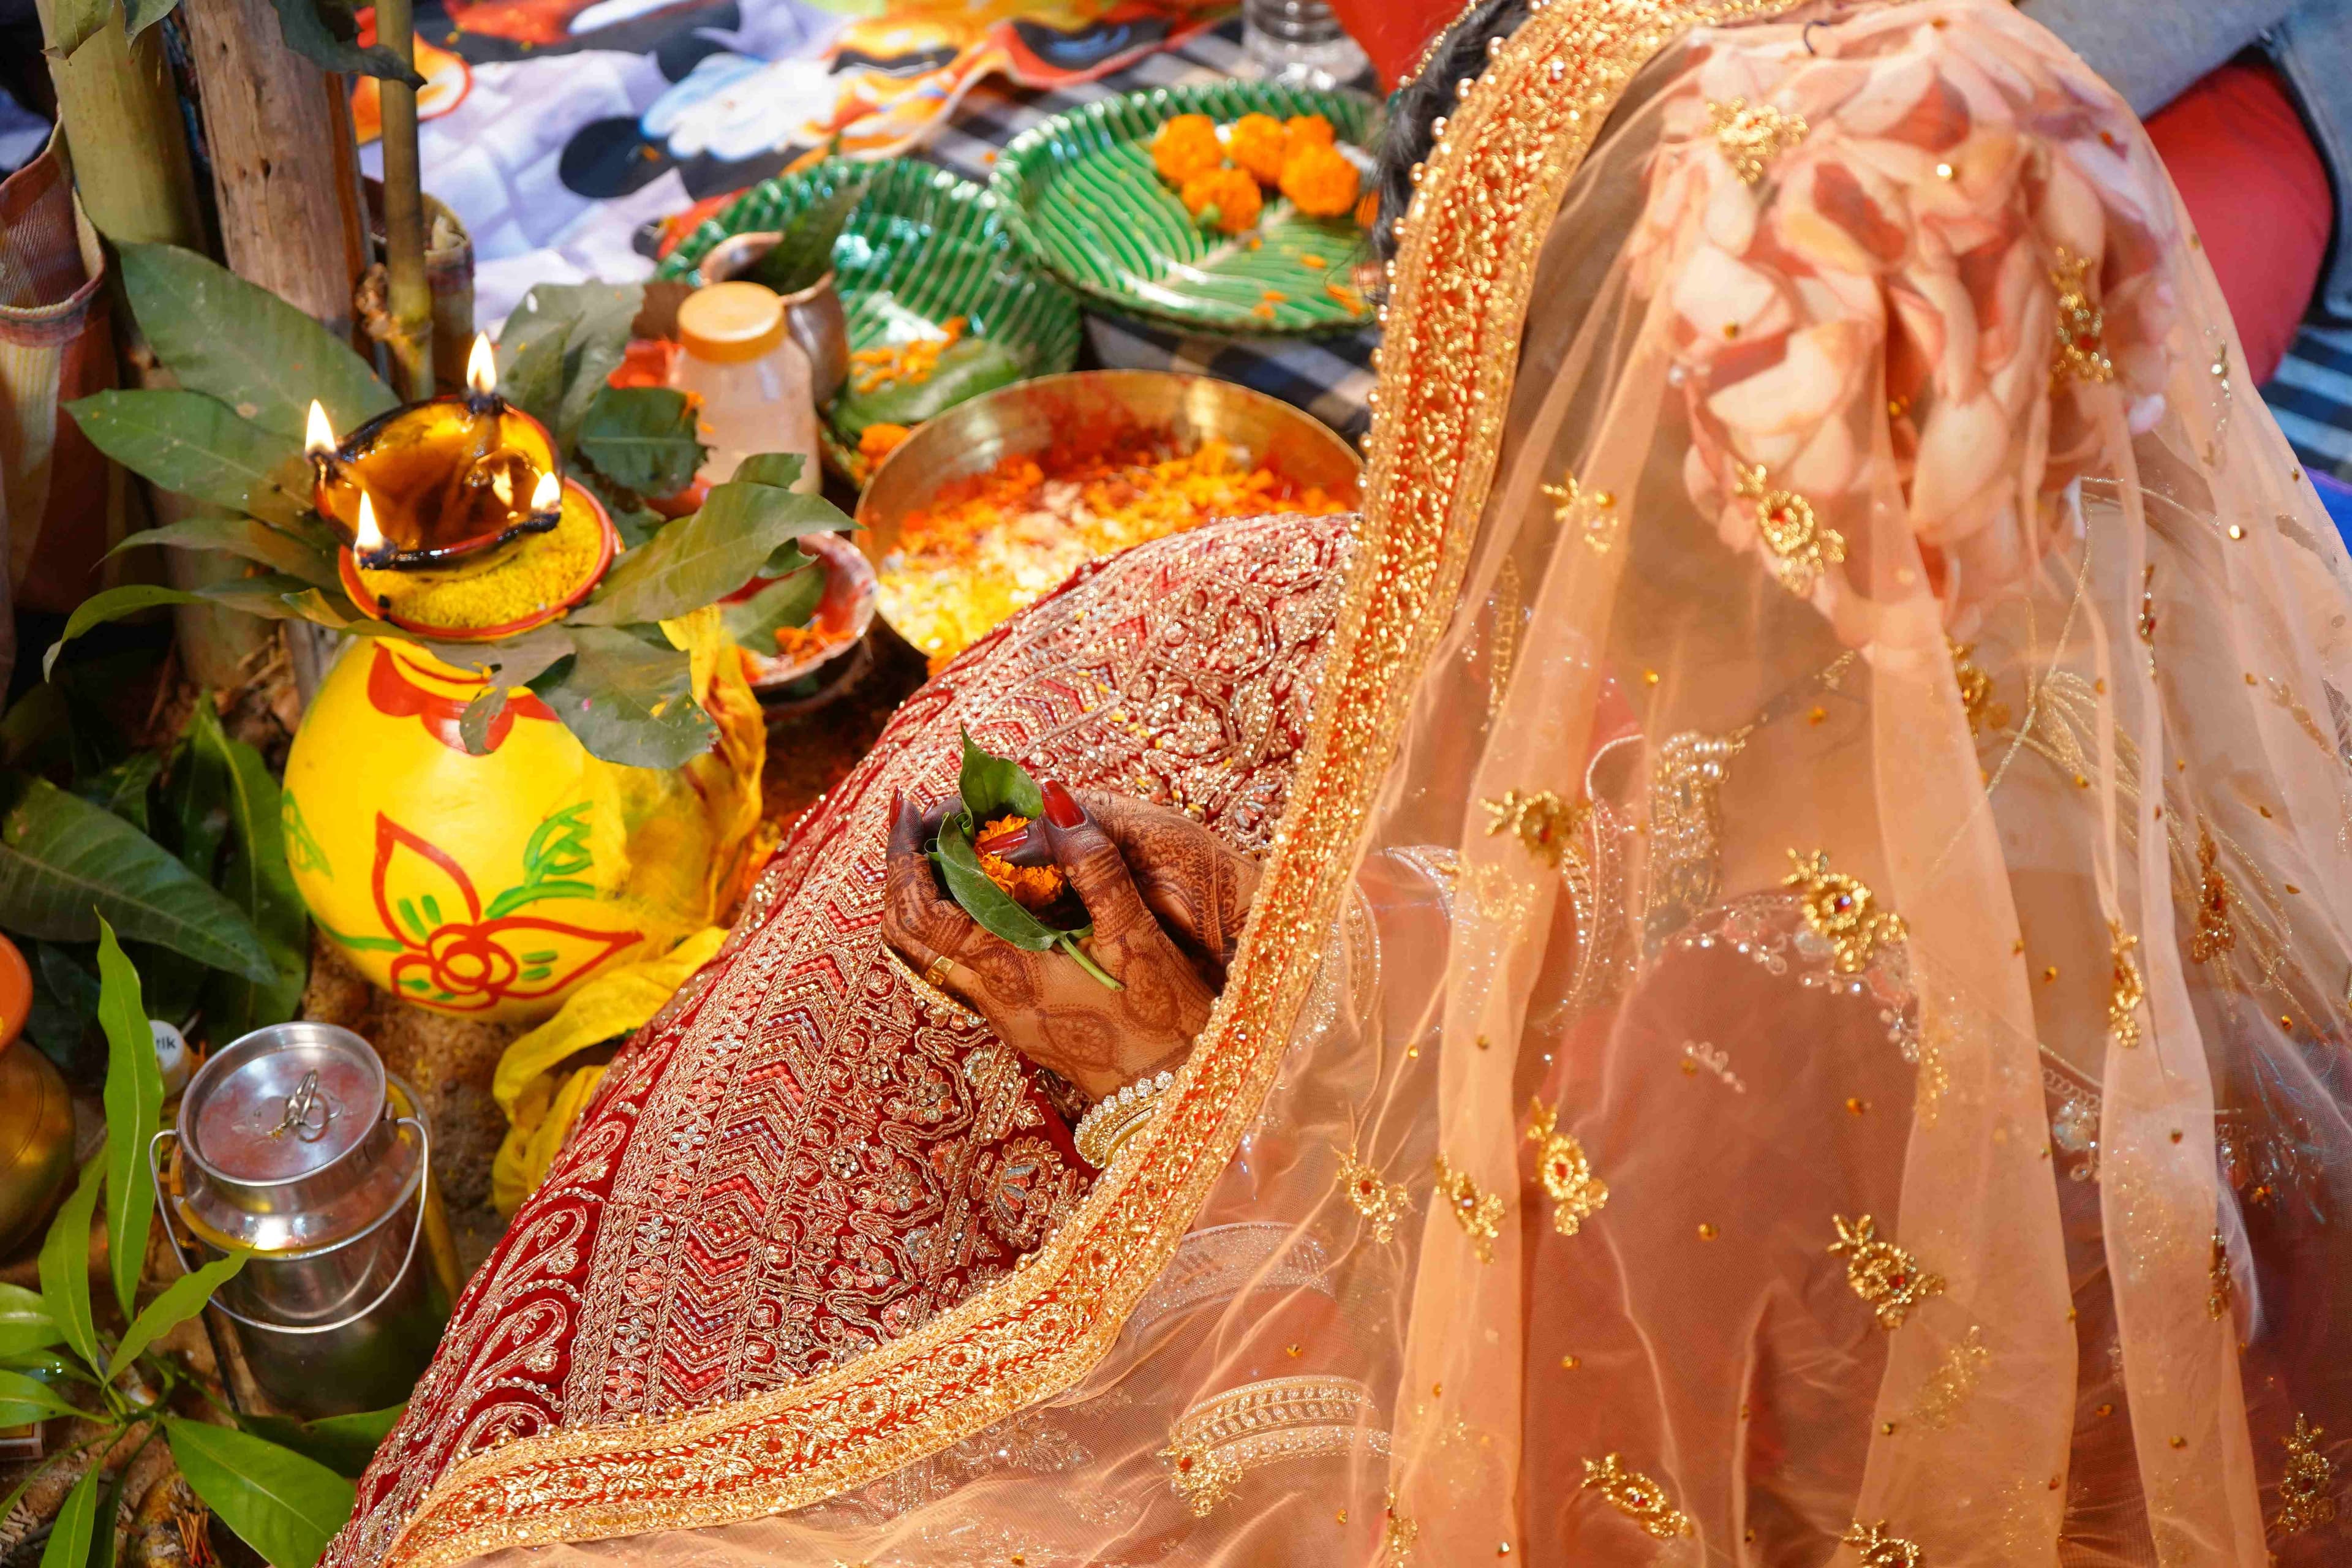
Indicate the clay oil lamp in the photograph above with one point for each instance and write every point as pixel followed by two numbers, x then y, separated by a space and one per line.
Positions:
pixel 457 520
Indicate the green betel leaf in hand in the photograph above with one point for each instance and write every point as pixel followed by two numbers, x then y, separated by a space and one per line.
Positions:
pixel 990 788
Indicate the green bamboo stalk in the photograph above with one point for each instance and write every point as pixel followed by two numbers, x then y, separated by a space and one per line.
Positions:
pixel 124 138
pixel 408 290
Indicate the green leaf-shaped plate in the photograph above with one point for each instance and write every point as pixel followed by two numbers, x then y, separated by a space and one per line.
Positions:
pixel 1080 194
pixel 923 248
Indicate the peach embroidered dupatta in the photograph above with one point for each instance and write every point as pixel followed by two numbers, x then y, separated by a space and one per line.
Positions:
pixel 1797 1012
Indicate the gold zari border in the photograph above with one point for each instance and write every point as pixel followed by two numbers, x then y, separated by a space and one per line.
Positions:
pixel 1458 302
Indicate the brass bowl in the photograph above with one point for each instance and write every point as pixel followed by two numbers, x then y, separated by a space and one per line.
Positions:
pixel 1030 416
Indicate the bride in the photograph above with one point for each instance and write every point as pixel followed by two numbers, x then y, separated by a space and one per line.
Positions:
pixel 1793 876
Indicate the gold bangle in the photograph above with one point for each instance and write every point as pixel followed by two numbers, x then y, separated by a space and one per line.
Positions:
pixel 1103 1132
pixel 935 974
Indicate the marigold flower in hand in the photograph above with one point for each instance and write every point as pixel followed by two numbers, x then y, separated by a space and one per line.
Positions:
pixel 1225 197
pixel 1258 143
pixel 1031 887
pixel 1319 181
pixel 1187 146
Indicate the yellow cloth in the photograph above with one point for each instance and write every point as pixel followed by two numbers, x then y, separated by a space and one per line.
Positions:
pixel 540 1105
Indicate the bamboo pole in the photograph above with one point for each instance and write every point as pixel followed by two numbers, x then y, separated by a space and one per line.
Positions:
pixel 286 186
pixel 408 290
pixel 120 115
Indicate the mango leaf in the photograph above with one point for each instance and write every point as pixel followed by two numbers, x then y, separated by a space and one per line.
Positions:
pixel 65 1005
pixel 627 700
pixel 780 469
pixel 25 1321
pixel 196 821
pixel 701 559
pixel 284 1506
pixel 271 595
pixel 966 369
pixel 641 439
pixel 134 1106
pixel 787 602
pixel 49 1366
pixel 255 540
pixel 559 345
pixel 240 343
pixel 145 14
pixel 124 788
pixel 76 1522
pixel 196 445
pixel 326 33
pixel 64 863
pixel 992 786
pixel 183 1299
pixel 258 879
pixel 26 1399
pixel 344 1443
pixel 65 1264
pixel 803 253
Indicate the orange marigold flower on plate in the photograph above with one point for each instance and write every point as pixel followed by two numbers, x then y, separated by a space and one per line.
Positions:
pixel 876 442
pixel 1227 198
pixel 1187 146
pixel 1259 144
pixel 1321 182
pixel 1306 130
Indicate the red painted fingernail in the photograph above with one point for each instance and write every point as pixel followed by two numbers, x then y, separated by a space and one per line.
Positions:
pixel 1005 843
pixel 1062 808
pixel 897 803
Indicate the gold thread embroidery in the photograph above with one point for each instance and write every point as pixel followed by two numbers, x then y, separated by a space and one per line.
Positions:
pixel 1398 1539
pixel 2303 1502
pixel 2082 326
pixel 1486 202
pixel 1592 513
pixel 1752 134
pixel 2128 990
pixel 1635 1496
pixel 1801 546
pixel 1889 1278
pixel 1946 1390
pixel 1506 655
pixel 2214 934
pixel 1877 1549
pixel 1839 908
pixel 1381 1203
pixel 2220 1283
pixel 1565 1171
pixel 1225 1436
pixel 1987 714
pixel 1686 825
pixel 1478 1213
pixel 1541 821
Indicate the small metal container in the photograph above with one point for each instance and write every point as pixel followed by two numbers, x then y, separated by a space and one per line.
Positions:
pixel 294 1144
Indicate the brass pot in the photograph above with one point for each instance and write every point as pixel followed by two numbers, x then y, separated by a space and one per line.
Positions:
pixel 37 1125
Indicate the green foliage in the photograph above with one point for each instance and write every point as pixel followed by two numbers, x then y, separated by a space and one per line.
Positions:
pixel 67 865
pixel 344 1443
pixel 242 344
pixel 25 1321
pixel 134 1108
pixel 802 254
pixel 559 346
pixel 283 1505
pixel 253 872
pixel 69 1535
pixel 183 1299
pixel 197 445
pixel 326 33
pixel 627 700
pixel 701 559
pixel 992 786
pixel 789 600
pixel 641 439
pixel 65 1264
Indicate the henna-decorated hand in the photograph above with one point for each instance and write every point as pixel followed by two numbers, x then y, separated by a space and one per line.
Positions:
pixel 1042 1004
pixel 1200 885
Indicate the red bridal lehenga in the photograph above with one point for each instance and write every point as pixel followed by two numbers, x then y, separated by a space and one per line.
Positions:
pixel 1796 1012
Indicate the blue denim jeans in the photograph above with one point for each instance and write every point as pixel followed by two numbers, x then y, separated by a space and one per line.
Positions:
pixel 2152 49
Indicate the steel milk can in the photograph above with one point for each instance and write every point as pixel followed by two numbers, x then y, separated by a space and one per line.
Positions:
pixel 294 1144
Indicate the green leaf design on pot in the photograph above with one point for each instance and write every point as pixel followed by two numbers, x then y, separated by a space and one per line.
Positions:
pixel 921 249
pixel 1083 200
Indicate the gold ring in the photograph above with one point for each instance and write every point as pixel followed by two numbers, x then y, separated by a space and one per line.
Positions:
pixel 936 974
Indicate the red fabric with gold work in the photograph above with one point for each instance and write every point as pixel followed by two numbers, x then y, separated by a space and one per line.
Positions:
pixel 800 1159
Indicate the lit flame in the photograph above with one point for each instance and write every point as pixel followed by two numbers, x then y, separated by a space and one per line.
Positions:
pixel 368 537
pixel 482 366
pixel 319 438
pixel 548 494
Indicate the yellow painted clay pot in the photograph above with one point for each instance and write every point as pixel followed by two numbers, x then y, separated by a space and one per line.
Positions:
pixel 493 886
